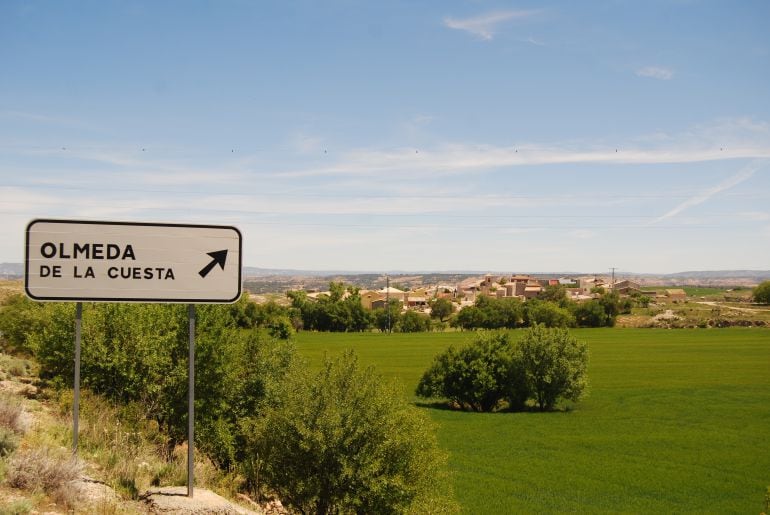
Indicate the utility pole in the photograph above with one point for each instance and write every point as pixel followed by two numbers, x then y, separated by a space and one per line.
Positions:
pixel 613 275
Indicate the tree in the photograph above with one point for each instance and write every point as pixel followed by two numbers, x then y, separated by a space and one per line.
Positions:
pixel 612 306
pixel 590 314
pixel 441 308
pixel 554 293
pixel 345 441
pixel 413 322
pixel 491 313
pixel 761 293
pixel 335 312
pixel 387 318
pixel 478 376
pixel 501 313
pixel 469 317
pixel 555 365
pixel 548 314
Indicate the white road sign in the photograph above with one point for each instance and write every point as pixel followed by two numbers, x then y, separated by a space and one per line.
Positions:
pixel 70 260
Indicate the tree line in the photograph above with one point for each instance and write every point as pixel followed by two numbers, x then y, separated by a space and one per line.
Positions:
pixel 342 311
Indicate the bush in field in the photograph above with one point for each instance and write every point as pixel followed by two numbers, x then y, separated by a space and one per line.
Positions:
pixel 478 376
pixel 761 293
pixel 555 365
pixel 546 365
pixel 342 441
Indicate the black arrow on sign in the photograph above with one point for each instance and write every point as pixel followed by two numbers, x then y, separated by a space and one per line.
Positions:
pixel 220 256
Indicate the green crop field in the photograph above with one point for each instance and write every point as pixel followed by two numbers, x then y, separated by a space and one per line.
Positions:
pixel 676 421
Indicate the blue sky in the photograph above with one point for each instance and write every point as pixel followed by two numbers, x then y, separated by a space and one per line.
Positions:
pixel 378 136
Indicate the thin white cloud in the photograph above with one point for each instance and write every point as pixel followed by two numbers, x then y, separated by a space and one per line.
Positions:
pixel 744 174
pixel 754 216
pixel 723 140
pixel 582 234
pixel 656 72
pixel 45 119
pixel 484 26
pixel 533 41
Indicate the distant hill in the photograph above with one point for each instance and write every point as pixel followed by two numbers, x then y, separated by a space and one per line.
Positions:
pixel 723 274
pixel 295 276
pixel 11 270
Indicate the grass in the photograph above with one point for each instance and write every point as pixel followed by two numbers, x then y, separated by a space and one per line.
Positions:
pixel 676 421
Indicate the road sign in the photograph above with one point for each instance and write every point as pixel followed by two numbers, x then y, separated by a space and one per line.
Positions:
pixel 69 260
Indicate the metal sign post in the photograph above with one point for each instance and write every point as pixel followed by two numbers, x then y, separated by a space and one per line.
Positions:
pixel 191 403
pixel 76 395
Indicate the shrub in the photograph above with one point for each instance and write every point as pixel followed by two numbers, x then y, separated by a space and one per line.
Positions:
pixel 12 414
pixel 8 442
pixel 590 314
pixel 761 293
pixel 137 353
pixel 41 469
pixel 555 365
pixel 19 318
pixel 18 507
pixel 342 441
pixel 478 376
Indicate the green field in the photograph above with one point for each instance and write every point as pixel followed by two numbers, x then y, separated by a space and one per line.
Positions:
pixel 676 421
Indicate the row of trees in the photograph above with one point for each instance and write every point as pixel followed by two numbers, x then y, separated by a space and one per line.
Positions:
pixel 324 441
pixel 495 372
pixel 342 310
pixel 551 309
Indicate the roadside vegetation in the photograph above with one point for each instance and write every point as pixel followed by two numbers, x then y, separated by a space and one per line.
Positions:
pixel 134 373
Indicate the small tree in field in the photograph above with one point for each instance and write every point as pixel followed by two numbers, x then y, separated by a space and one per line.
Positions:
pixel 762 293
pixel 478 376
pixel 555 365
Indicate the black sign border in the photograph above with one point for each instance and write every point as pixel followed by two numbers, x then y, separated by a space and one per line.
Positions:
pixel 132 300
